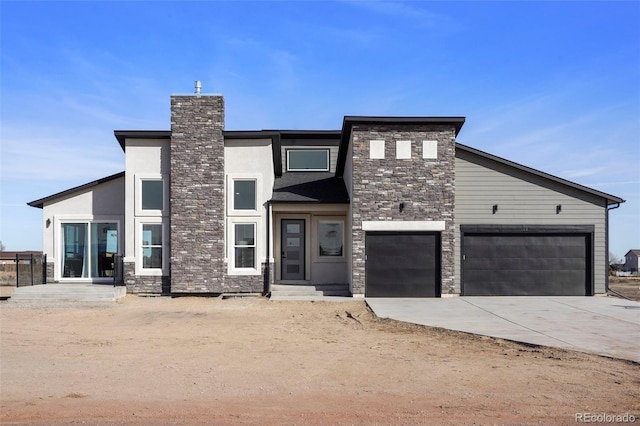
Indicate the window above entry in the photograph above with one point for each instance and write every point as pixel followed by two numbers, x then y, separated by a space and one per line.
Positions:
pixel 308 160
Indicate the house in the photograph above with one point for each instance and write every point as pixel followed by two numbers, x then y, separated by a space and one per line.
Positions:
pixel 631 261
pixel 385 207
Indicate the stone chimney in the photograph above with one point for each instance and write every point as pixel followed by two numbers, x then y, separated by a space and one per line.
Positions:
pixel 197 194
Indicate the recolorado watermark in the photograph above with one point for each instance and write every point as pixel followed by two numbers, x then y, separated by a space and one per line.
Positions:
pixel 605 418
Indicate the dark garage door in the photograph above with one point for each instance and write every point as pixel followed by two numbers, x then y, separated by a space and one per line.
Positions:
pixel 402 264
pixel 501 264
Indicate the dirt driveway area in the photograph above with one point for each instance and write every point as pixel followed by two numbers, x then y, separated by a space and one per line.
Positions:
pixel 253 361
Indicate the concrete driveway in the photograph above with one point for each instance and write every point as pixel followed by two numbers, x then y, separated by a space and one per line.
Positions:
pixel 602 325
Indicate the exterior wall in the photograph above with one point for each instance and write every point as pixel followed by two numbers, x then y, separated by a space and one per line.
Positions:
pixel 248 159
pixel 318 270
pixel 197 194
pixel 348 237
pixel 426 187
pixel 523 199
pixel 103 202
pixel 145 158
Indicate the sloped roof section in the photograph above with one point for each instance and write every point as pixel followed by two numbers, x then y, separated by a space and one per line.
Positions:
pixel 40 203
pixel 311 187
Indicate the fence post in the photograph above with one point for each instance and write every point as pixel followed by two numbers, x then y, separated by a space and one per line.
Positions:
pixel 17 270
pixel 31 266
pixel 44 269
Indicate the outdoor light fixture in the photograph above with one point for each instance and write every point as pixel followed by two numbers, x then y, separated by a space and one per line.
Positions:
pixel 558 208
pixel 48 222
pixel 401 207
pixel 495 208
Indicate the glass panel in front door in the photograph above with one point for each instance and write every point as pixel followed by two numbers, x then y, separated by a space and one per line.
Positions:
pixel 292 256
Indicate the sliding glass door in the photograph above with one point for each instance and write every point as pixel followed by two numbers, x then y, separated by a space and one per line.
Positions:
pixel 88 249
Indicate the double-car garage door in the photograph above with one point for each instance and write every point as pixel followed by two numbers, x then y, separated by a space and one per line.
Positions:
pixel 495 261
pixel 499 263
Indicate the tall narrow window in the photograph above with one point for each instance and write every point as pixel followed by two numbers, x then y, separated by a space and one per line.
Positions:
pixel 152 246
pixel 244 195
pixel 75 256
pixel 152 194
pixel 245 245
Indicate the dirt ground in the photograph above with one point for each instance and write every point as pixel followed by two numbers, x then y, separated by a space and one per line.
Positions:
pixel 253 361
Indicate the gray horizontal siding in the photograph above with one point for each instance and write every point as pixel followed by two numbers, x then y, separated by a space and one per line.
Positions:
pixel 333 155
pixel 523 199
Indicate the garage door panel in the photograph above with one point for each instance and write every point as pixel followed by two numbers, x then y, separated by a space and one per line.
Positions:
pixel 402 265
pixel 526 264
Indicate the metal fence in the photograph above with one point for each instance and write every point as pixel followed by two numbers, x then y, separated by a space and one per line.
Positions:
pixel 24 270
pixel 118 270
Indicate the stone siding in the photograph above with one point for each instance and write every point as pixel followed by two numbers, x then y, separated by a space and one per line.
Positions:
pixel 49 272
pixel 425 186
pixel 197 194
pixel 142 284
pixel 248 283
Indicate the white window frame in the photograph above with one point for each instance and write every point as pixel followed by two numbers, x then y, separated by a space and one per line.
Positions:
pixel 325 150
pixel 316 251
pixel 231 252
pixel 231 178
pixel 57 241
pixel 139 177
pixel 140 269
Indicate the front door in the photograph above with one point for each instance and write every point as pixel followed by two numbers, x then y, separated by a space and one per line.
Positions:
pixel 292 260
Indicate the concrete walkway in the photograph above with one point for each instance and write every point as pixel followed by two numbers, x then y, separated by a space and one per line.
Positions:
pixel 602 325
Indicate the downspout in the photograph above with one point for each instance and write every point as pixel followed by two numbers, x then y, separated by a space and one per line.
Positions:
pixel 606 226
pixel 267 272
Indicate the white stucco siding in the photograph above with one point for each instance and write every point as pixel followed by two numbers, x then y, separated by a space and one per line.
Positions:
pixel 523 199
pixel 104 202
pixel 249 159
pixel 144 158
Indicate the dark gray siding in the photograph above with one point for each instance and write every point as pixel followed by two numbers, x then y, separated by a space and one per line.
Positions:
pixel 523 199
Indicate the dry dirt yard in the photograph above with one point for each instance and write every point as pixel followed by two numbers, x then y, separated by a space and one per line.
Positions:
pixel 253 361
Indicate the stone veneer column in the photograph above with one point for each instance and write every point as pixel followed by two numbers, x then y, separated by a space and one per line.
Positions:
pixel 425 186
pixel 197 194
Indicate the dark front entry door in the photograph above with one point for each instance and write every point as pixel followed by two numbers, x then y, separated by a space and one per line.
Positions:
pixel 402 264
pixel 292 244
pixel 512 264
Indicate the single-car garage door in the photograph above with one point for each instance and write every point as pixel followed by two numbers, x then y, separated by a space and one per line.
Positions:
pixel 402 264
pixel 526 264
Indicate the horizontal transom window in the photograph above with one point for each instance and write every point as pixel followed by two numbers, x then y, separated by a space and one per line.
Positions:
pixel 303 160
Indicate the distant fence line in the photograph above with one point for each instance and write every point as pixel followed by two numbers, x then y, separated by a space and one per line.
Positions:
pixel 24 269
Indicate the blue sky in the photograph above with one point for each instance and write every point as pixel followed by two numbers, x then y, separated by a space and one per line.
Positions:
pixel 552 85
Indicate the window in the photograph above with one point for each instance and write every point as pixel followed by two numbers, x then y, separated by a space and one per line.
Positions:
pixel 244 245
pixel 152 246
pixel 330 238
pixel 88 249
pixel 304 160
pixel 152 194
pixel 244 194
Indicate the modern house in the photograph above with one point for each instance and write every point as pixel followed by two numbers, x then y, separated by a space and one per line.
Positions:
pixel 631 261
pixel 385 207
